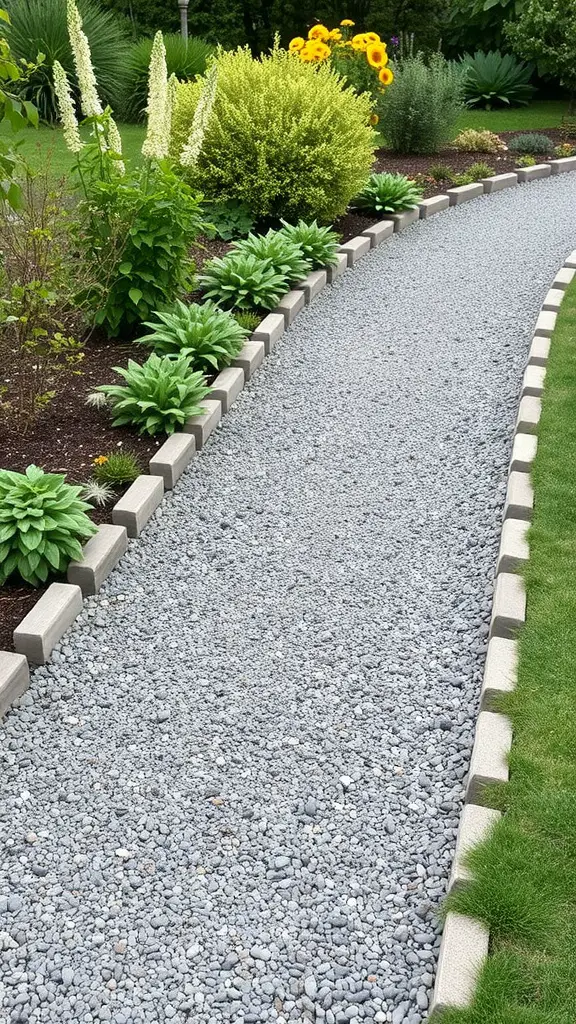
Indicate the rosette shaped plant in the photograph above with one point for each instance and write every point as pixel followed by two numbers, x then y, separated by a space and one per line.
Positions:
pixel 285 256
pixel 42 521
pixel 318 244
pixel 158 396
pixel 208 335
pixel 389 193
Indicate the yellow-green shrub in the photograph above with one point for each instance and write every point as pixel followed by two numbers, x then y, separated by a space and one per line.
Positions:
pixel 286 138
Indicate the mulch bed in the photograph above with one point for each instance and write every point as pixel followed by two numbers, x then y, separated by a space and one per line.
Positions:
pixel 69 434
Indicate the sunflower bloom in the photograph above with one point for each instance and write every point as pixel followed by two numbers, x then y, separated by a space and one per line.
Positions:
pixel 346 23
pixel 359 41
pixel 335 34
pixel 296 44
pixel 372 37
pixel 66 108
pixel 376 55
pixel 385 76
pixel 319 32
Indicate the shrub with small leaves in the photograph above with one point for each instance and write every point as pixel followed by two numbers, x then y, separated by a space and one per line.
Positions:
pixel 389 193
pixel 42 521
pixel 116 468
pixel 208 335
pixel 319 245
pixel 530 142
pixel 478 141
pixel 526 161
pixel 243 281
pixel 564 150
pixel 284 255
pixel 157 396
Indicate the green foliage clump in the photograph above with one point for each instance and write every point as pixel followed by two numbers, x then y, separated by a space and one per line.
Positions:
pixel 319 245
pixel 389 193
pixel 209 336
pixel 230 219
pixel 478 140
pixel 440 172
pixel 284 256
pixel 530 142
pixel 526 161
pixel 545 32
pixel 494 78
pixel 564 149
pixel 249 321
pixel 242 281
pixel 139 232
pixel 42 520
pixel 285 138
pixel 419 109
pixel 116 468
pixel 185 59
pixel 469 22
pixel 157 396
pixel 40 26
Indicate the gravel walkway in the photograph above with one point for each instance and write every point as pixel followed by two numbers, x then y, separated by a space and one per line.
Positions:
pixel 233 795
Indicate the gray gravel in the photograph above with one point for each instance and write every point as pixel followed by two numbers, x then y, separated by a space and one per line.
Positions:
pixel 233 795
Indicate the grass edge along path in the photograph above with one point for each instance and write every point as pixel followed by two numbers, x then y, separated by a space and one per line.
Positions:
pixel 525 873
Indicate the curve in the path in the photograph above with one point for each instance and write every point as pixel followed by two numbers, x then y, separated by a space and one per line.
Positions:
pixel 233 795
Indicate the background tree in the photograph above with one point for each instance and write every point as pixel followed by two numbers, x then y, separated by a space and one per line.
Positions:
pixel 545 32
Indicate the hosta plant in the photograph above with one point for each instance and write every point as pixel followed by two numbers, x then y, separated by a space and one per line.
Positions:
pixel 208 335
pixel 242 281
pixel 284 255
pixel 157 396
pixel 530 142
pixel 479 140
pixel 496 78
pixel 389 193
pixel 319 245
pixel 42 521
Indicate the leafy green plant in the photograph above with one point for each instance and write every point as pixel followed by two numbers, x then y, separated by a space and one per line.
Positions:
pixel 480 170
pixel 42 520
pixel 389 193
pixel 285 138
pixel 138 234
pixel 319 245
pixel 495 78
pixel 184 58
pixel 478 141
pixel 530 142
pixel 242 281
pixel 419 110
pixel 116 468
pixel 285 257
pixel 15 115
pixel 526 160
pixel 545 32
pixel 249 321
pixel 157 396
pixel 228 220
pixel 39 26
pixel 564 150
pixel 441 172
pixel 467 22
pixel 208 335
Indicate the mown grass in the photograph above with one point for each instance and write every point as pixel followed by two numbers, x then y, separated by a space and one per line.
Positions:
pixel 525 875
pixel 538 115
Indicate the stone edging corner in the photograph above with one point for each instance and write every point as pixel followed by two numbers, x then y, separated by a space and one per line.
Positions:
pixel 465 940
pixel 43 627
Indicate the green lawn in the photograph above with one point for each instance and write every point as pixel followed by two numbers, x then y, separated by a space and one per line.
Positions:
pixel 46 144
pixel 525 875
pixel 540 114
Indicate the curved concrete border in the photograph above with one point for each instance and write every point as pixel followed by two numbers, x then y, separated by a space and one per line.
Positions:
pixel 42 628
pixel 465 940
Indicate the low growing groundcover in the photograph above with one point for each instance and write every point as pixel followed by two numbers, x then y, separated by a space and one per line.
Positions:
pixel 525 875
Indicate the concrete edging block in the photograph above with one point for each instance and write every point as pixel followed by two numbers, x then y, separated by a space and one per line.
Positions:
pixel 529 413
pixel 489 761
pixel 570 261
pixel 533 380
pixel 463 950
pixel 476 823
pixel 99 556
pixel 339 267
pixel 269 330
pixel 172 457
pixel 519 503
pixel 250 357
pixel 545 323
pixel 553 299
pixel 227 386
pixel 498 181
pixel 500 671
pixel 289 306
pixel 563 278
pixel 428 207
pixel 509 606
pixel 136 506
pixel 312 285
pixel 462 193
pixel 379 232
pixel 523 452
pixel 514 551
pixel 533 173
pixel 202 426
pixel 567 163
pixel 403 220
pixel 43 626
pixel 14 679
pixel 539 350
pixel 355 249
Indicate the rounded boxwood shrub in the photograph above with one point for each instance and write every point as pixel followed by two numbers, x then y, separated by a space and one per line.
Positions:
pixel 286 138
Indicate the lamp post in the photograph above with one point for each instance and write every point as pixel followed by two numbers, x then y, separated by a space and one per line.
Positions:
pixel 183 5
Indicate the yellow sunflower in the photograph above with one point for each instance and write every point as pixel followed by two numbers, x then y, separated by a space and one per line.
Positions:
pixel 376 55
pixel 335 34
pixel 385 76
pixel 371 37
pixel 319 32
pixel 346 23
pixel 359 41
pixel 296 44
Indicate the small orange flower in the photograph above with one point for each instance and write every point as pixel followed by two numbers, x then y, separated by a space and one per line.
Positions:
pixel 385 75
pixel 100 460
